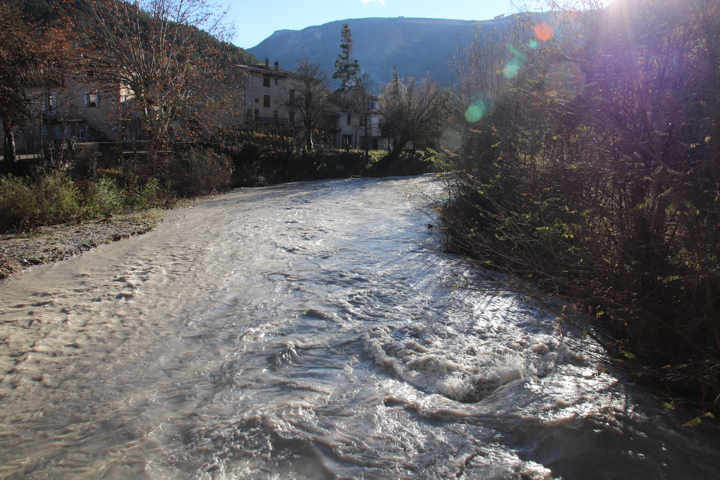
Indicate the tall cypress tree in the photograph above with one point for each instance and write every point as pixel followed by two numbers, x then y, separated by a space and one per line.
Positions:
pixel 347 67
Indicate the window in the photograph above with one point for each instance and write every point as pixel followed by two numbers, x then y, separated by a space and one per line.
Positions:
pixel 91 99
pixel 349 119
pixel 257 115
pixel 292 117
pixel 124 103
pixel 90 73
pixel 276 115
pixel 277 80
pixel 266 81
pixel 51 101
pixel 257 100
pixel 249 113
pixel 266 101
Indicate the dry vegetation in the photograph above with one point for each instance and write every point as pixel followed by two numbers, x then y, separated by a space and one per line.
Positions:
pixel 590 163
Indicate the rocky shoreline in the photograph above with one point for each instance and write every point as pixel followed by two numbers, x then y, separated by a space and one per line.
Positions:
pixel 58 242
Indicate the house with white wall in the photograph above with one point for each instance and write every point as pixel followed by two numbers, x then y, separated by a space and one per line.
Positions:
pixel 356 121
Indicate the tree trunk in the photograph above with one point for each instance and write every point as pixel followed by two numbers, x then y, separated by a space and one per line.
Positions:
pixel 308 136
pixel 398 147
pixel 10 154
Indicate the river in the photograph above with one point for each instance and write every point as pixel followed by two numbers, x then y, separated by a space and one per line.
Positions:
pixel 313 331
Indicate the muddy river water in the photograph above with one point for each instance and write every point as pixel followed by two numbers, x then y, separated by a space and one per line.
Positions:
pixel 313 331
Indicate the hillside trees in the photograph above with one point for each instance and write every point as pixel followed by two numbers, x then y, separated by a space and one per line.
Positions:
pixel 31 56
pixel 347 67
pixel 593 170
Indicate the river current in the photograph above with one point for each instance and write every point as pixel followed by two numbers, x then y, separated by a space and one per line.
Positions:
pixel 313 331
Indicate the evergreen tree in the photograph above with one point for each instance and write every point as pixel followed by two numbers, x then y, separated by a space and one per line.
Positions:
pixel 347 68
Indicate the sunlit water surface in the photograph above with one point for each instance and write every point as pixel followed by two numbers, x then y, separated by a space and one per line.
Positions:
pixel 312 331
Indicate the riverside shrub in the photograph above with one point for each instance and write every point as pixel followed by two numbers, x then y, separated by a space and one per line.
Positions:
pixel 25 204
pixel 199 171
pixel 598 179
pixel 55 198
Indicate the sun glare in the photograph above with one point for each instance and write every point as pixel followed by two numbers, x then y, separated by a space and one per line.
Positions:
pixel 543 31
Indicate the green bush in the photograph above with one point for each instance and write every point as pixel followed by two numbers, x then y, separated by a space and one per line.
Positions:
pixel 55 198
pixel 59 198
pixel 103 197
pixel 26 204
pixel 18 203
pixel 147 196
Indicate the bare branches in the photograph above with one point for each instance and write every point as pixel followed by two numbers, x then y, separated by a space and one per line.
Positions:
pixel 309 98
pixel 592 170
pixel 159 50
pixel 412 111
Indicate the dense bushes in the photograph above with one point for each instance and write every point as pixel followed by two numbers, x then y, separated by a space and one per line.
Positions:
pixel 52 199
pixel 261 159
pixel 56 198
pixel 594 172
pixel 199 172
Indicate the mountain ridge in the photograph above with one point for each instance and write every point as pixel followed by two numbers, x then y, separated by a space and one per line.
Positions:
pixel 416 46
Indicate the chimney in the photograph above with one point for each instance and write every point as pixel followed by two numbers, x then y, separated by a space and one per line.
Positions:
pixel 277 66
pixel 267 62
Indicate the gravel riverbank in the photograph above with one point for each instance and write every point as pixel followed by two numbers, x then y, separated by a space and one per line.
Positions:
pixel 58 242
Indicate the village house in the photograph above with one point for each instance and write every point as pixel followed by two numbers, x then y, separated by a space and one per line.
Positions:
pixel 356 121
pixel 269 89
pixel 266 91
pixel 83 111
pixel 88 111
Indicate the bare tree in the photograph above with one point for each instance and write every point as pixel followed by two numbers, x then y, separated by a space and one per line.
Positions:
pixel 412 111
pixel 160 50
pixel 309 97
pixel 362 102
pixel 29 55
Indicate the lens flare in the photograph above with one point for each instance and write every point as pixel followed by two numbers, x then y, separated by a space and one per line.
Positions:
pixel 475 111
pixel 518 54
pixel 512 68
pixel 543 31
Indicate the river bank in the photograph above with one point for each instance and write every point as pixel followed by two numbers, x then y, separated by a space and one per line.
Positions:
pixel 58 242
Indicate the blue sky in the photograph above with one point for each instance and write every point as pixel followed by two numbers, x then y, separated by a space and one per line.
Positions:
pixel 255 20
